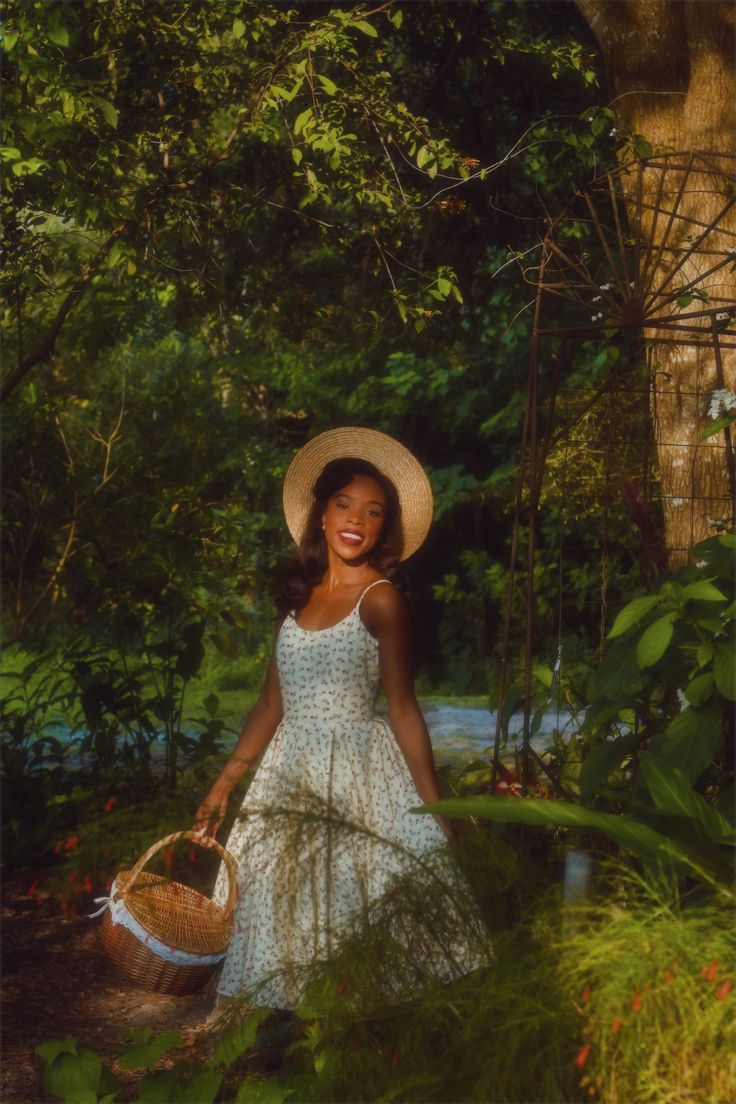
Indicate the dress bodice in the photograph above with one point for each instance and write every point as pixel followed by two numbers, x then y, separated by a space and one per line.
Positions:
pixel 328 675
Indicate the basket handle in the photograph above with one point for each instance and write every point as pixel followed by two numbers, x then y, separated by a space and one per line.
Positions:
pixel 197 838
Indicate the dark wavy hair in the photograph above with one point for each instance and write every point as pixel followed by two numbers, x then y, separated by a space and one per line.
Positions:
pixel 310 562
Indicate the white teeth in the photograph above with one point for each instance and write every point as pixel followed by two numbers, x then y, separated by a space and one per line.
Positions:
pixel 354 537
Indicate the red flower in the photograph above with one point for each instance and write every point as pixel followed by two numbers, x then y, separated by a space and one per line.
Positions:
pixel 616 1023
pixel 724 989
pixel 110 803
pixel 669 977
pixel 342 987
pixel 71 843
pixel 585 995
pixel 636 1001
pixel 582 1054
pixel 395 1059
pixel 709 972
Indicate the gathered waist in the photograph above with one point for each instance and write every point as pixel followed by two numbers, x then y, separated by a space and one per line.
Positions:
pixel 307 719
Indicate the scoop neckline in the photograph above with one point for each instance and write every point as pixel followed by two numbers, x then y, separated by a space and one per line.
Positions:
pixel 342 620
pixel 327 628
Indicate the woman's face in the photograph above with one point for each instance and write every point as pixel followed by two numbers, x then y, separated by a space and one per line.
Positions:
pixel 354 517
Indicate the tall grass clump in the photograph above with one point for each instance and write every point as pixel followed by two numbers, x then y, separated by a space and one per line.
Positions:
pixel 444 988
pixel 652 976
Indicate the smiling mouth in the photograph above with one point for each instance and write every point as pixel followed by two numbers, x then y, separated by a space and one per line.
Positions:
pixel 353 539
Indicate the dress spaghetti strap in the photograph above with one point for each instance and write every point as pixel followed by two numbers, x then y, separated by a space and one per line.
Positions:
pixel 370 587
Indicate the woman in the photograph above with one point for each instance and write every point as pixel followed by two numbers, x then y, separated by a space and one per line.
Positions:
pixel 325 828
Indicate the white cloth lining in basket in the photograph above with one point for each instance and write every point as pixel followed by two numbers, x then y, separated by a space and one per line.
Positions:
pixel 121 914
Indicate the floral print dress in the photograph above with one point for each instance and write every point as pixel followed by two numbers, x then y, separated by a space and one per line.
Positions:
pixel 325 827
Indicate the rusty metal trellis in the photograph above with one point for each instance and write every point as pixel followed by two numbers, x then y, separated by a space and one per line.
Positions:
pixel 638 257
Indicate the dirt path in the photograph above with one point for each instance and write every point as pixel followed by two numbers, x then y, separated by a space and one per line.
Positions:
pixel 57 981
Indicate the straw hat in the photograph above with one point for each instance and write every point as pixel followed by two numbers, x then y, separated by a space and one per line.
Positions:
pixel 387 454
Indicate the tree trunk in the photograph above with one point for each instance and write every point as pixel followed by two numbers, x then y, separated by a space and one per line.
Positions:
pixel 670 67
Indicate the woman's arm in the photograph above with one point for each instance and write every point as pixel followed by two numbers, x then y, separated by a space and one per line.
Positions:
pixel 385 615
pixel 259 727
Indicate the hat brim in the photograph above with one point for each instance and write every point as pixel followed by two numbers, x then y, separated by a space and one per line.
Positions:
pixel 387 454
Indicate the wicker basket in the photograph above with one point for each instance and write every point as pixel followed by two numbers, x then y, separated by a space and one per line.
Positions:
pixel 163 935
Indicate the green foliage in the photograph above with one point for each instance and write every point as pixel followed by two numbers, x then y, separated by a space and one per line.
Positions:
pixel 650 749
pixel 75 1074
pixel 651 976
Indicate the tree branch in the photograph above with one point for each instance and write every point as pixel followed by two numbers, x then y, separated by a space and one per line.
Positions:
pixel 47 344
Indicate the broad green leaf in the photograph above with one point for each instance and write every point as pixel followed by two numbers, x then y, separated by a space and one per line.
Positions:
pixel 241 1038
pixel 238 28
pixel 702 591
pixel 715 427
pixel 603 758
pixel 329 85
pixel 9 40
pixel 724 666
pixel 423 155
pixel 655 639
pixel 49 1051
pixel 672 793
pixel 543 673
pixel 82 1096
pixel 642 146
pixel 265 1090
pixel 297 155
pixel 619 676
pixel 366 28
pixel 396 16
pixel 59 35
pixel 704 653
pixel 302 119
pixel 201 1089
pixel 109 113
pixel 690 740
pixel 551 813
pixel 73 1073
pixel 632 613
pixel 225 645
pixel 700 688
pixel 146 1054
pixel 728 540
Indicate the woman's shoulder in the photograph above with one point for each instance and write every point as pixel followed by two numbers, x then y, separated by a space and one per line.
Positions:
pixel 381 606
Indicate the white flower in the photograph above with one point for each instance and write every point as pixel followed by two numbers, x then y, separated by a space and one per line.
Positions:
pixel 732 251
pixel 596 299
pixel 723 316
pixel 682 699
pixel 595 317
pixel 632 283
pixel 612 132
pixel 721 402
pixel 701 563
pixel 605 287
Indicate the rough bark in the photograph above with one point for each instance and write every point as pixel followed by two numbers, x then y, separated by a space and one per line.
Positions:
pixel 672 77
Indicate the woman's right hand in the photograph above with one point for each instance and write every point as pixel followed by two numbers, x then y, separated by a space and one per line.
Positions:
pixel 211 813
